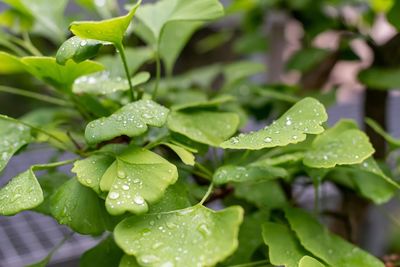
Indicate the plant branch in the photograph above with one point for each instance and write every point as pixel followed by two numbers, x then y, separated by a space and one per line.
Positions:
pixel 208 193
pixel 121 51
pixel 158 74
pixel 36 96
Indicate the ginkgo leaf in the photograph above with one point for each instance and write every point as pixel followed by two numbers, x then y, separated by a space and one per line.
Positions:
pixel 77 49
pixel 240 174
pixel 131 120
pixel 102 83
pixel 10 64
pixel 326 246
pixel 303 118
pixel 23 192
pixel 343 144
pixel 283 246
pixel 90 170
pixel 110 30
pixel 80 208
pixel 59 76
pixel 13 136
pixel 195 236
pixel 266 194
pixel 186 156
pixel 137 178
pixel 206 127
pixel 308 261
pixel 394 143
pixel 380 78
pixel 212 103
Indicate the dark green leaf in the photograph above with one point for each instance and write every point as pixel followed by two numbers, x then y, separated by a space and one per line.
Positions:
pixel 105 254
pixel 77 49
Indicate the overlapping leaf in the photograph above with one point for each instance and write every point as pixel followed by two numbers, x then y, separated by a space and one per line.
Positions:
pixel 77 49
pixel 326 246
pixel 131 120
pixel 303 118
pixel 59 76
pixel 308 261
pixel 104 254
pixel 10 64
pixel 195 236
pixel 343 144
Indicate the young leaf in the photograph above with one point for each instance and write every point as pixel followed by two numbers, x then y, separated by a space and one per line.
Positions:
pixel 326 246
pixel 136 179
pixel 111 30
pixel 13 137
pixel 10 64
pixel 23 192
pixel 102 83
pixel 131 120
pixel 343 144
pixel 80 208
pixel 303 118
pixel 186 156
pixel 61 77
pixel 104 254
pixel 283 246
pixel 195 236
pixel 77 49
pixel 308 261
pixel 206 127
pixel 240 174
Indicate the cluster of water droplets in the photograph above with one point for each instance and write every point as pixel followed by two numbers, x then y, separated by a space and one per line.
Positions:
pixel 100 83
pixel 14 136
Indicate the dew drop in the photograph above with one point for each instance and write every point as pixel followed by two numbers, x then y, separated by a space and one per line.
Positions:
pixel 121 174
pixel 125 187
pixel 113 195
pixel 138 200
pixel 83 43
pixel 204 230
pixel 146 259
pixel 234 140
pixel 268 140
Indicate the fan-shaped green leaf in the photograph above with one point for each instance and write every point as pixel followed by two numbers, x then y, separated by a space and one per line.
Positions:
pixel 10 64
pixel 23 192
pixel 240 174
pixel 104 254
pixel 308 261
pixel 102 83
pixel 80 208
pixel 206 127
pixel 283 246
pixel 110 30
pixel 13 136
pixel 131 120
pixel 212 103
pixel 303 118
pixel 61 77
pixel 343 144
pixel 49 184
pixel 186 156
pixel 77 49
pixel 90 170
pixel 326 246
pixel 195 236
pixel 136 179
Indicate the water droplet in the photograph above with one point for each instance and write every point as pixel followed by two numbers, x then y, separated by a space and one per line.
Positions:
pixel 113 195
pixel 288 122
pixel 88 181
pixel 171 225
pixel 234 140
pixel 121 174
pixel 157 245
pixel 168 264
pixel 147 116
pixel 146 259
pixel 295 137
pixel 138 200
pixel 125 187
pixel 83 43
pixel 325 157
pixel 268 140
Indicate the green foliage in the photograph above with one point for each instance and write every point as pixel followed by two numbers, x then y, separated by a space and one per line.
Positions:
pixel 143 162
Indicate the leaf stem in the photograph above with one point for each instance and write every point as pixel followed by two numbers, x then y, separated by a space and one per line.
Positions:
pixel 158 74
pixel 208 193
pixel 54 164
pixel 121 51
pixel 65 146
pixel 204 169
pixel 40 97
